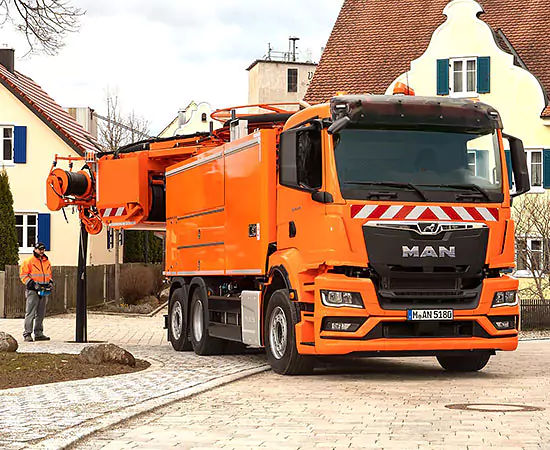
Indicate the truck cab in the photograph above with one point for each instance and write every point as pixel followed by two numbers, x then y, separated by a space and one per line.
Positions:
pixel 394 231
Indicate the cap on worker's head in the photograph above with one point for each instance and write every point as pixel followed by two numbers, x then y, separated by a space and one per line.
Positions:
pixel 39 246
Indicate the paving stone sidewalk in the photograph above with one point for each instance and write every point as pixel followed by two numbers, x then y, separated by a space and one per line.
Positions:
pixel 376 403
pixel 55 415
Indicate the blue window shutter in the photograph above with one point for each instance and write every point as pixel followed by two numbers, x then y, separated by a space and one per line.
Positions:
pixel 546 168
pixel 482 163
pixel 509 166
pixel 20 145
pixel 442 77
pixel 44 229
pixel 483 74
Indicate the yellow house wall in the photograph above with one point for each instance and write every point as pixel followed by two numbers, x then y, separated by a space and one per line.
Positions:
pixel 28 182
pixel 515 92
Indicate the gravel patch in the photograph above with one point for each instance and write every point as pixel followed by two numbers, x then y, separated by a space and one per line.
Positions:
pixel 534 334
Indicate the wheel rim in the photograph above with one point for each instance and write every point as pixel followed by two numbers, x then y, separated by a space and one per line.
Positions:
pixel 198 320
pixel 177 320
pixel 278 333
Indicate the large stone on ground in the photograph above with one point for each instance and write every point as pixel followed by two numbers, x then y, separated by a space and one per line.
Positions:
pixel 8 343
pixel 106 353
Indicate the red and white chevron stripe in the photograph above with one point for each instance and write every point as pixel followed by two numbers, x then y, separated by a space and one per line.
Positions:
pixel 407 212
pixel 113 212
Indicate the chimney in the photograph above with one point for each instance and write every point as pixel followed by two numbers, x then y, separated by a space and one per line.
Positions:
pixel 7 58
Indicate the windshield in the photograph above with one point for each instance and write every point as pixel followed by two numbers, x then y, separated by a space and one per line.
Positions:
pixel 418 165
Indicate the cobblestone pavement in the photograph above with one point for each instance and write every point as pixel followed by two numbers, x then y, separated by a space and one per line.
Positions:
pixel 363 404
pixel 54 415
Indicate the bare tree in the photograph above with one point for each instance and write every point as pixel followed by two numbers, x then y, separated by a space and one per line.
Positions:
pixel 44 23
pixel 532 217
pixel 117 129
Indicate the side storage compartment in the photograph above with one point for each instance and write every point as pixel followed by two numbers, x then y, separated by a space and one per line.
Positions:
pixel 250 199
pixel 196 215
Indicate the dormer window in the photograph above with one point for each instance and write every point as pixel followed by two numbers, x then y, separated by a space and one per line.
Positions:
pixel 463 76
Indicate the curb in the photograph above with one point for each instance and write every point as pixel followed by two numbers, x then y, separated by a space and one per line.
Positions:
pixel 71 436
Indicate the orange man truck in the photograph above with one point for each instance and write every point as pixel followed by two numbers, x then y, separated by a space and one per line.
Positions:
pixel 369 226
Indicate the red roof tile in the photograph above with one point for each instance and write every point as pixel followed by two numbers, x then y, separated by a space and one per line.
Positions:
pixel 48 110
pixel 374 41
pixel 546 112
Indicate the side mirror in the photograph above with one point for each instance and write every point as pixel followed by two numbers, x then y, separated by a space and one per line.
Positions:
pixel 519 165
pixel 322 197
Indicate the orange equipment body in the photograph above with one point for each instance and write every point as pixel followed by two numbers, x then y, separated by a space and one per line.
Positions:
pixel 237 236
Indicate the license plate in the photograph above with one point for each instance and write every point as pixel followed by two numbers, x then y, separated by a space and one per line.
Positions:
pixel 430 314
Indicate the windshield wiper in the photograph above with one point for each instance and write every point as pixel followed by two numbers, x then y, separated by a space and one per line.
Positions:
pixel 470 187
pixel 391 184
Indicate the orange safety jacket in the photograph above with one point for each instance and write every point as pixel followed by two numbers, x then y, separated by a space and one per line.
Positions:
pixel 37 269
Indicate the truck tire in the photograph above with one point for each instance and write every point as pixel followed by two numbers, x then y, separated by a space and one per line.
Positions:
pixel 203 343
pixel 178 329
pixel 466 363
pixel 280 337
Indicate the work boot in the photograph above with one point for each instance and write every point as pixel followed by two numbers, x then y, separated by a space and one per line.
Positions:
pixel 41 338
pixel 28 338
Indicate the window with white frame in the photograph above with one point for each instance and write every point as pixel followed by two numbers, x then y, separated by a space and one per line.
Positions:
pixel 529 256
pixel 463 75
pixel 534 160
pixel 27 231
pixel 472 162
pixel 6 136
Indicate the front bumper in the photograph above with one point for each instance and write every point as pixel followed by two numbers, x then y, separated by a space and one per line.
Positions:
pixel 388 331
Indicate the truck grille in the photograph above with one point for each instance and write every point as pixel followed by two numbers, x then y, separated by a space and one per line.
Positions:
pixel 412 268
pixel 435 329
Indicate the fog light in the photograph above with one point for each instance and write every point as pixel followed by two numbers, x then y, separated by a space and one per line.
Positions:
pixel 505 298
pixel 337 299
pixel 504 322
pixel 342 324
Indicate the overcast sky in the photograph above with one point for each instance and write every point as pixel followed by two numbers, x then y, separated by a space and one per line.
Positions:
pixel 161 54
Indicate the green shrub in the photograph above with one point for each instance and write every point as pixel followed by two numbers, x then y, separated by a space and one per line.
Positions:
pixel 142 247
pixel 9 246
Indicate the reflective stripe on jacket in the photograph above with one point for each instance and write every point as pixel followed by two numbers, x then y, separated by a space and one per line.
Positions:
pixel 36 269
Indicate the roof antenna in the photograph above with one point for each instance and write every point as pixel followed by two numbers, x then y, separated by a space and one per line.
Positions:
pixel 292 49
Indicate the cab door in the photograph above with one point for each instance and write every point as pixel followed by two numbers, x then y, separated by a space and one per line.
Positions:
pixel 301 199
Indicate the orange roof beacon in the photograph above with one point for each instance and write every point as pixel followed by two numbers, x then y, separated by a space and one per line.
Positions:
pixel 369 225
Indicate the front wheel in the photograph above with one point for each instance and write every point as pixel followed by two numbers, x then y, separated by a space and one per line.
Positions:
pixel 178 331
pixel 280 337
pixel 465 363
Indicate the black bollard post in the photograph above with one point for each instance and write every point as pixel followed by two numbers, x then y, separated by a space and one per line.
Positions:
pixel 81 325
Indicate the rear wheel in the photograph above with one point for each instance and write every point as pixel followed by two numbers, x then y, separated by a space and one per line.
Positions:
pixel 465 363
pixel 203 343
pixel 178 330
pixel 280 337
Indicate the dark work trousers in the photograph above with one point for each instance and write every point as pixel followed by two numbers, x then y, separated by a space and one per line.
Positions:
pixel 36 311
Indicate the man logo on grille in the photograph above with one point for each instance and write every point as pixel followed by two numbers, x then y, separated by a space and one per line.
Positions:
pixel 429 252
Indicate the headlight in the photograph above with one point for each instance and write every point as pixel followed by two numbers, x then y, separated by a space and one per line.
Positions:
pixel 339 299
pixel 505 298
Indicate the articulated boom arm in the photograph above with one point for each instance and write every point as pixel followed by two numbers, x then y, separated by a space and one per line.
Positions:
pixel 126 188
